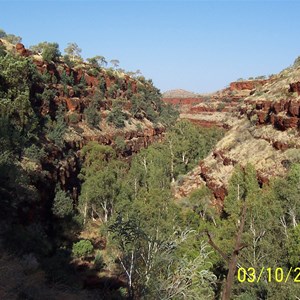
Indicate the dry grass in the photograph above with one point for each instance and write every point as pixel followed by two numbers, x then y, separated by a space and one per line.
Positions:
pixel 278 89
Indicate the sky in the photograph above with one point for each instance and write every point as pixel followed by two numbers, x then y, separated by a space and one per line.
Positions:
pixel 199 46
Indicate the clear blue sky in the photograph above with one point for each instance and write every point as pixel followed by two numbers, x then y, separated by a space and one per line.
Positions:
pixel 199 46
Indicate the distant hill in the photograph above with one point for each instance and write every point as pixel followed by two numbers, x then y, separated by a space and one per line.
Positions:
pixel 178 93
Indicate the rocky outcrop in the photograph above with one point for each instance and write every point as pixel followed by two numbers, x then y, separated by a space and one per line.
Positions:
pixel 295 87
pixel 282 114
pixel 247 84
pixel 200 109
pixel 22 50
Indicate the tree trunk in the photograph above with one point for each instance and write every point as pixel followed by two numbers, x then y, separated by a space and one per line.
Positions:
pixel 233 261
pixel 85 213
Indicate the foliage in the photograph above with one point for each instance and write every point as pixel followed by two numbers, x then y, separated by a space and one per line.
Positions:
pixel 34 153
pixel 68 61
pixel 188 144
pixel 102 182
pixel 62 204
pixel 49 51
pixel 74 118
pixel 112 91
pixel 82 248
pixel 57 128
pixel 17 77
pixel 92 116
pixel 97 61
pixel 11 38
pixel 2 51
pixel 293 243
pixel 99 261
pixel 117 116
pixel 115 63
pixel 168 115
pixel 73 51
pixel 120 144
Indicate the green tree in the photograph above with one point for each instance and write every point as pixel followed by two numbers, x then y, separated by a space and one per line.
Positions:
pixel 152 253
pixel 73 51
pixel 50 51
pixel 97 61
pixel 116 116
pixel 115 63
pixel 13 39
pixel 63 204
pixel 56 129
pixel 102 176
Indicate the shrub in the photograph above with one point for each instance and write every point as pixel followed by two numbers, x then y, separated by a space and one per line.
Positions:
pixel 117 117
pixel 68 61
pixel 34 153
pixel 102 84
pixel 56 130
pixel 220 106
pixel 92 116
pixel 120 143
pixel 112 91
pixel 63 204
pixel 51 52
pixel 99 261
pixel 82 248
pixel 91 113
pixel 74 118
pixel 93 72
pixel 2 51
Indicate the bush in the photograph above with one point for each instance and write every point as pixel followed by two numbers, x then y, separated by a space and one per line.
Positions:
pixel 120 144
pixel 99 261
pixel 82 248
pixel 117 117
pixel 57 128
pixel 63 204
pixel 74 118
pixel 112 91
pixel 92 116
pixel 35 153
pixel 68 61
pixel 93 72
pixel 2 51
pixel 51 52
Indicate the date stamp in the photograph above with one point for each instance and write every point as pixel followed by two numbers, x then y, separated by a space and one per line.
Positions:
pixel 252 275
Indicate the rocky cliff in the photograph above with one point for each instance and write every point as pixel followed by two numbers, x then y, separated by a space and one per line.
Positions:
pixel 215 109
pixel 263 130
pixel 124 111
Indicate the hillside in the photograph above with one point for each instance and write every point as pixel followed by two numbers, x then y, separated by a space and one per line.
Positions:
pixel 179 93
pixel 263 130
pixel 75 102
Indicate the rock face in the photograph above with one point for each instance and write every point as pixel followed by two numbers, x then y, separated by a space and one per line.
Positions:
pixel 295 87
pixel 208 110
pixel 74 87
pixel 247 85
pixel 282 114
pixel 21 50
pixel 263 130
